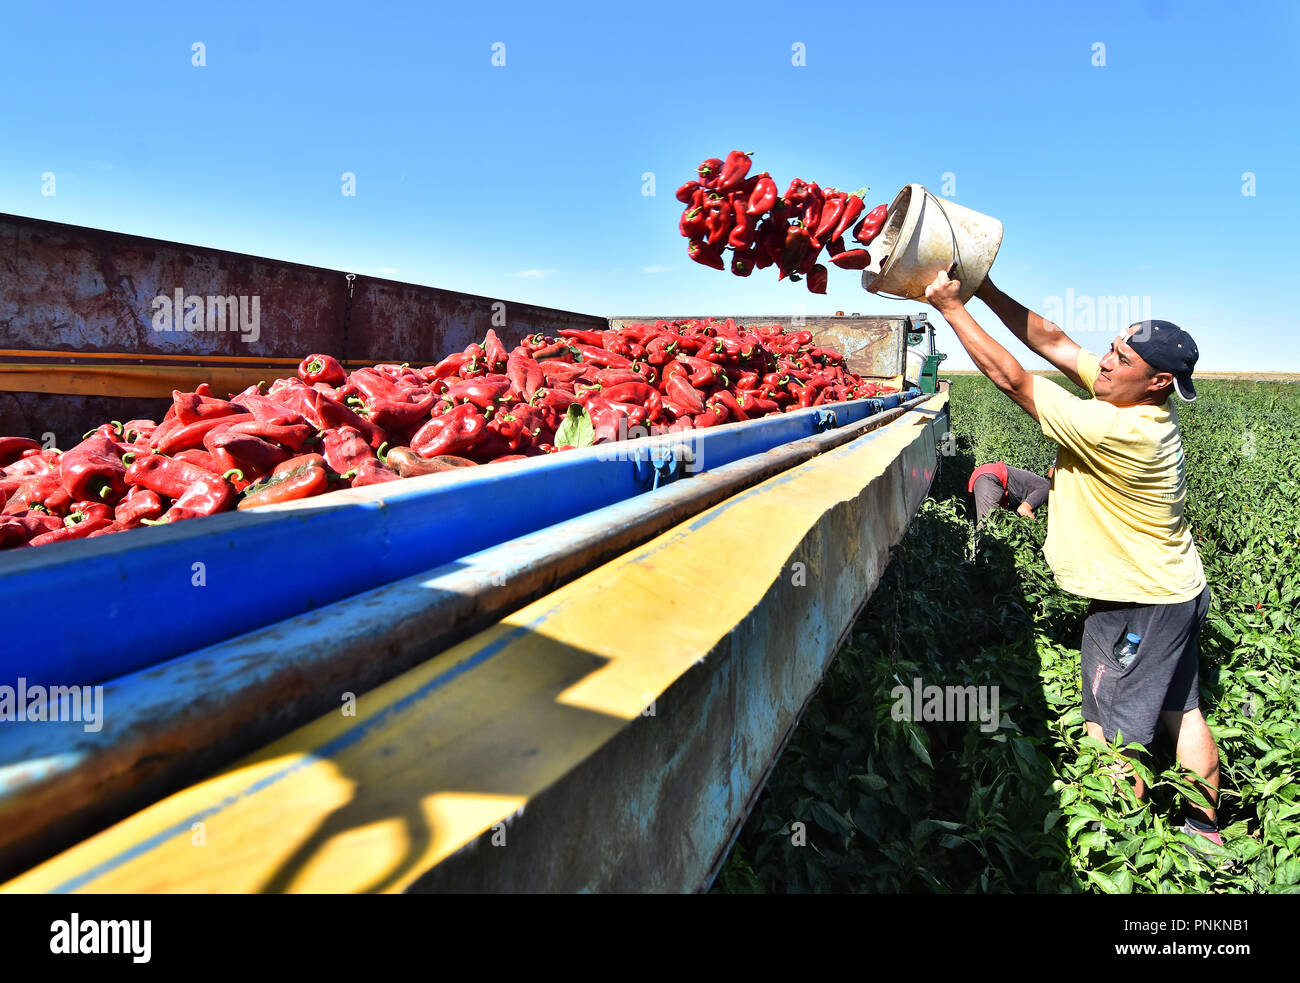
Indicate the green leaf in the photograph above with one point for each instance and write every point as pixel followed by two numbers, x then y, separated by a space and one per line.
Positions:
pixel 872 781
pixel 576 428
pixel 1103 882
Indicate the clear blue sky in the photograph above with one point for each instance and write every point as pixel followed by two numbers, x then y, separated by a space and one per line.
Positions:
pixel 525 181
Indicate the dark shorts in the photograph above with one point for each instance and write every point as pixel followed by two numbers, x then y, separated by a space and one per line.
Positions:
pixel 1163 676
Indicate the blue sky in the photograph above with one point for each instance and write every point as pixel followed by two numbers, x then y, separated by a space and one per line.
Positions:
pixel 525 181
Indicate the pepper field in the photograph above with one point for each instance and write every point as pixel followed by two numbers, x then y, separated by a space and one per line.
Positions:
pixel 860 801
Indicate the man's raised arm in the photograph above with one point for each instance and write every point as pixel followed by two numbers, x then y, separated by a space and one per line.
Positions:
pixel 1042 336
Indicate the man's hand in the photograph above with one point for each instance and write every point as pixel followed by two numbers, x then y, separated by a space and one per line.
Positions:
pixel 1024 509
pixel 944 294
pixel 989 357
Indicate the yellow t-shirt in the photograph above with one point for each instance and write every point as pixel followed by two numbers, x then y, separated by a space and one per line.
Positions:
pixel 1115 526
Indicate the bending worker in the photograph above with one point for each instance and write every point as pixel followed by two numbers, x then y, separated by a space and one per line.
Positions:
pixel 999 484
pixel 1116 532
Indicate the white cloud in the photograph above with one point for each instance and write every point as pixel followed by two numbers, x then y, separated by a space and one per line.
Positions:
pixel 533 274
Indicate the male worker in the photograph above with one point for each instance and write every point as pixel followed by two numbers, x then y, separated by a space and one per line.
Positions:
pixel 1116 532
pixel 999 484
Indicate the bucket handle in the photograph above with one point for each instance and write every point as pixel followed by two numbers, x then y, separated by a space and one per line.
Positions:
pixel 956 252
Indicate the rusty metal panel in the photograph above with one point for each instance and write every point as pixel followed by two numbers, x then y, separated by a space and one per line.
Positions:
pixel 873 346
pixel 67 288
pixel 60 420
pixel 68 293
pixel 406 322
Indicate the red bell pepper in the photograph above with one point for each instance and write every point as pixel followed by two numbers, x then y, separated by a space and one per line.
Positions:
pixel 817 279
pixel 525 375
pixel 16 530
pixel 742 234
pixel 693 224
pixel 763 196
pixel 798 244
pixel 583 337
pixel 12 448
pixel 138 430
pixel 494 353
pixel 195 491
pixel 325 414
pixel 734 169
pixel 321 368
pixel 344 450
pixel 832 209
pixel 853 206
pixel 482 392
pixel 719 218
pixel 203 459
pixel 93 469
pixel 709 171
pixel 756 406
pixel 190 436
pixel 870 226
pixel 140 503
pixel 681 392
pixel 398 415
pixel 293 436
pixel 371 472
pixel 686 191
pixel 603 359
pixel 449 366
pixel 297 478
pixel 559 373
pixel 706 255
pixel 452 433
pixel 252 456
pixel 78 526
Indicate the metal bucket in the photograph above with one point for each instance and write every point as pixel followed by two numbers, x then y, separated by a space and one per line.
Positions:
pixel 925 234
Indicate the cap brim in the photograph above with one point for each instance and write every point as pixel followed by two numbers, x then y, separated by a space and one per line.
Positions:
pixel 1186 391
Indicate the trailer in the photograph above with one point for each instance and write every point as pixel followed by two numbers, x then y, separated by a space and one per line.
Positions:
pixel 420 686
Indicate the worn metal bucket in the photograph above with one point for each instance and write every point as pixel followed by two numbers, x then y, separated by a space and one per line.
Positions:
pixel 925 234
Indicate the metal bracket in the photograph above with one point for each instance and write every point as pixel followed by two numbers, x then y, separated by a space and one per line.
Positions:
pixel 824 420
pixel 661 468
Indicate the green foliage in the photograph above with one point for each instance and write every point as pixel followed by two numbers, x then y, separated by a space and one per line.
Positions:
pixel 892 805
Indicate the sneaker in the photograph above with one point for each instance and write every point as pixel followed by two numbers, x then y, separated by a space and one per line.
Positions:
pixel 1199 836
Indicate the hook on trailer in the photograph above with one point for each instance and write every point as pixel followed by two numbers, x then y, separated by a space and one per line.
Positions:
pixel 824 420
pixel 660 468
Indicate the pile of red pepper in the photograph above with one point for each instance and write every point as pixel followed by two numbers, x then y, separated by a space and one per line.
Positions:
pixel 327 428
pixel 728 208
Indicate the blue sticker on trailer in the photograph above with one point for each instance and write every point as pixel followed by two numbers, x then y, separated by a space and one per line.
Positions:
pixel 121 603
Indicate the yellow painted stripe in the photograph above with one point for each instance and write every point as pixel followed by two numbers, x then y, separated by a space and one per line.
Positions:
pixel 148 357
pixel 128 381
pixel 438 755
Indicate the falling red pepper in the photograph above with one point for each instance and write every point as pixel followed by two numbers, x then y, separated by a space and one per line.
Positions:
pixel 734 169
pixel 817 279
pixel 763 196
pixel 709 171
pixel 870 227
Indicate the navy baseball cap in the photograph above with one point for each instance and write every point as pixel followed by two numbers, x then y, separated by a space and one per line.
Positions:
pixel 1166 347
